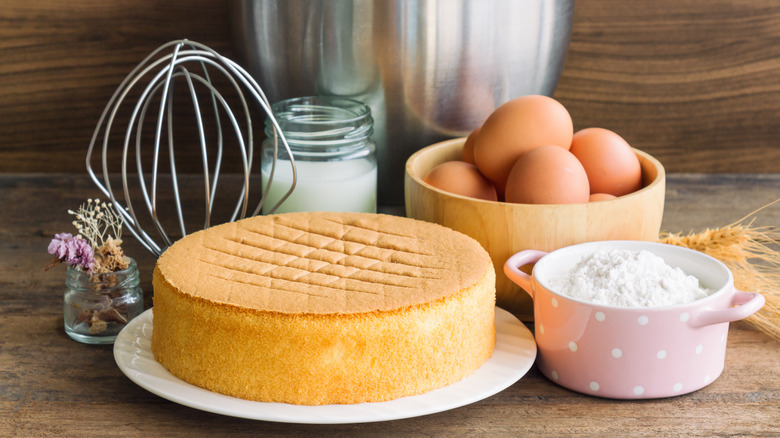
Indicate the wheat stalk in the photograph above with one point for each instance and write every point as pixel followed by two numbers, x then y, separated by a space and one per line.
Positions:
pixel 752 256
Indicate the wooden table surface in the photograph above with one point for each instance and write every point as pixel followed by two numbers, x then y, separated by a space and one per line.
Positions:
pixel 53 386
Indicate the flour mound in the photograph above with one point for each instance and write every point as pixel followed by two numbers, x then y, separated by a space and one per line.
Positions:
pixel 628 279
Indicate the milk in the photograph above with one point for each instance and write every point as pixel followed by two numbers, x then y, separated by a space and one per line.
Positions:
pixel 348 185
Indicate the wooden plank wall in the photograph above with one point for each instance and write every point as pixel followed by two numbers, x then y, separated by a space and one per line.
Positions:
pixel 695 83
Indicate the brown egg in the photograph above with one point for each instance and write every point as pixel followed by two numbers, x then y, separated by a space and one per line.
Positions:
pixel 612 166
pixel 462 179
pixel 595 197
pixel 517 127
pixel 547 175
pixel 467 154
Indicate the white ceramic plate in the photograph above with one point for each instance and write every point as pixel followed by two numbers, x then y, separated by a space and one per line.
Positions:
pixel 514 355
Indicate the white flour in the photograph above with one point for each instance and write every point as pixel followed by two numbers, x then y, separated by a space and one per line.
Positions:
pixel 628 279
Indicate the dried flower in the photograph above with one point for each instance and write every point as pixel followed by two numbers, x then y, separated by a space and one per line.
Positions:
pixel 109 257
pixel 74 251
pixel 59 245
pixel 97 250
pixel 97 247
pixel 97 221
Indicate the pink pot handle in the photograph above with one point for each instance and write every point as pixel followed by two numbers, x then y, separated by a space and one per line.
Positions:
pixel 514 263
pixel 747 303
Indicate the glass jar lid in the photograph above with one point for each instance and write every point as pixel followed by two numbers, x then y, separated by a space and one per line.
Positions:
pixel 322 125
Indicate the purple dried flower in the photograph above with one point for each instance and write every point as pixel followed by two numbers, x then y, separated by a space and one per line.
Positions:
pixel 59 245
pixel 74 251
pixel 80 254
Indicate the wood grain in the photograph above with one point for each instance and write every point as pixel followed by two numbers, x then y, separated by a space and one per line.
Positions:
pixel 693 83
pixel 61 62
pixel 53 386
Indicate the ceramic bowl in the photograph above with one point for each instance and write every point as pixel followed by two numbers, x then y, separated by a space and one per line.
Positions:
pixel 631 352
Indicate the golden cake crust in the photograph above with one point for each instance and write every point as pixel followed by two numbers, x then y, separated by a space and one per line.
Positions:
pixel 315 308
pixel 323 263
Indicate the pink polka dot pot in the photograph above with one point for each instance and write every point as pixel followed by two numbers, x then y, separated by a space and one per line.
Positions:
pixel 631 352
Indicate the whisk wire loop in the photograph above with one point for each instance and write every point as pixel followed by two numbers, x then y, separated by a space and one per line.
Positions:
pixel 166 70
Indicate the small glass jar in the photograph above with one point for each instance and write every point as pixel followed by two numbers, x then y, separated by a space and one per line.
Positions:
pixel 334 156
pixel 97 308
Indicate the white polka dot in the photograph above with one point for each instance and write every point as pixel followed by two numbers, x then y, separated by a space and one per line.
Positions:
pixel 638 390
pixel 617 353
pixel 573 346
pixel 699 349
pixel 677 387
pixel 643 320
pixel 541 329
pixel 707 378
pixel 555 302
pixel 684 317
pixel 723 338
pixel 554 375
pixel 661 354
pixel 600 316
pixel 594 386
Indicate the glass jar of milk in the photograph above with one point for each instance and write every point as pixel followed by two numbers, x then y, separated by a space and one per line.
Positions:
pixel 333 154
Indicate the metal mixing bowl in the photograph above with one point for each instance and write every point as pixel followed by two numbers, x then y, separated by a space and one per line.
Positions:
pixel 429 70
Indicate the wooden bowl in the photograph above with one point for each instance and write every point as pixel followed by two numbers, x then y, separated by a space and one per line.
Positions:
pixel 505 228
